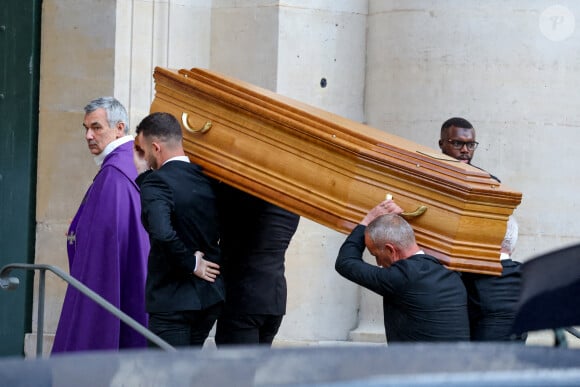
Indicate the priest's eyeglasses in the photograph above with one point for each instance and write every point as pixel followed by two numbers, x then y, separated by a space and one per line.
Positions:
pixel 471 145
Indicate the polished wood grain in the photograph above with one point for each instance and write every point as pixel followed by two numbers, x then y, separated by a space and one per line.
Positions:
pixel 333 170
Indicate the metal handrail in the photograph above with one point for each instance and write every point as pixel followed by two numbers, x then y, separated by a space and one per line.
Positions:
pixel 573 331
pixel 11 283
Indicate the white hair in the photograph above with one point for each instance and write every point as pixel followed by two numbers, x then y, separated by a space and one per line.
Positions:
pixel 391 228
pixel 511 236
pixel 115 110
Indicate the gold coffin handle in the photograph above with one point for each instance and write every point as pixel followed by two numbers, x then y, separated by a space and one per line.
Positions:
pixel 410 214
pixel 413 214
pixel 185 122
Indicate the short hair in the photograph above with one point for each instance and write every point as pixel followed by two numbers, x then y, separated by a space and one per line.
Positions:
pixel 391 228
pixel 163 126
pixel 511 235
pixel 458 122
pixel 115 110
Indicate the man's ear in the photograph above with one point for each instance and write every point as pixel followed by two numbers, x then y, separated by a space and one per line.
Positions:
pixel 155 146
pixel 441 144
pixel 120 129
pixel 394 252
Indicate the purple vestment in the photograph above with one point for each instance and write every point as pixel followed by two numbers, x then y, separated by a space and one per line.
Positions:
pixel 107 249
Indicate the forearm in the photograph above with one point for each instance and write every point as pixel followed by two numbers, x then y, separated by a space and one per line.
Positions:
pixel 350 252
pixel 182 256
pixel 350 264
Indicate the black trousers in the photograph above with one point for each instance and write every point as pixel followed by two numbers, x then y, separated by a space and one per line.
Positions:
pixel 184 328
pixel 247 329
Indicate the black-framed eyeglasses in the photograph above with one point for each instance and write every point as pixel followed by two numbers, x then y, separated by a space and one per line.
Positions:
pixel 471 145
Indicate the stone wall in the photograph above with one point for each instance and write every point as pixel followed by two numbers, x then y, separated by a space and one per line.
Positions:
pixel 402 66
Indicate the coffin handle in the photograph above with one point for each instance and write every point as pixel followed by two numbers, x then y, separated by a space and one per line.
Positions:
pixel 185 122
pixel 413 214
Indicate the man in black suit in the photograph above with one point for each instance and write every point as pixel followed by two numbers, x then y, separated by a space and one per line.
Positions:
pixel 184 291
pixel 493 300
pixel 422 300
pixel 254 237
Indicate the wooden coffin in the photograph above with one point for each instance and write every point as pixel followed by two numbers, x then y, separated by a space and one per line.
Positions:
pixel 332 169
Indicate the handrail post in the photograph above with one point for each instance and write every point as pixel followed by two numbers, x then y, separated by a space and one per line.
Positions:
pixel 40 317
pixel 10 283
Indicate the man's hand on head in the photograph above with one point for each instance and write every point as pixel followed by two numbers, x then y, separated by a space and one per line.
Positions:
pixel 385 207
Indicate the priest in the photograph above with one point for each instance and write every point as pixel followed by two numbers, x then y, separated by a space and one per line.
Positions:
pixel 106 242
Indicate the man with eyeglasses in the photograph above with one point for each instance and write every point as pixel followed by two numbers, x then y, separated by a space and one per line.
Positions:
pixel 491 299
pixel 458 140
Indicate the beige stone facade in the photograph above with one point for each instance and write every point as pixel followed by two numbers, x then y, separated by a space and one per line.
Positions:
pixel 510 67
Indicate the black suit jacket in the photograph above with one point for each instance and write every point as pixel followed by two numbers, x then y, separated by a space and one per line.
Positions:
pixel 254 237
pixel 490 175
pixel 179 213
pixel 493 302
pixel 422 300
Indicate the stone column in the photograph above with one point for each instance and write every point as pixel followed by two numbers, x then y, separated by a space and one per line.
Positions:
pixel 76 65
